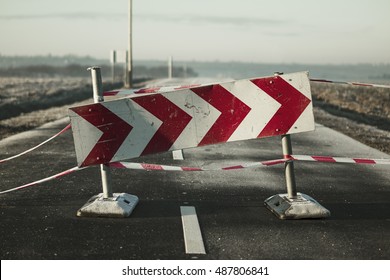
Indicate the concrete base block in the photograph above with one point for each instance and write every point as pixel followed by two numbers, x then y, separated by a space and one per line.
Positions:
pixel 120 205
pixel 301 207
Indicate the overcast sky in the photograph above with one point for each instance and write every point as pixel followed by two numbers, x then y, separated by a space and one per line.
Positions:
pixel 282 31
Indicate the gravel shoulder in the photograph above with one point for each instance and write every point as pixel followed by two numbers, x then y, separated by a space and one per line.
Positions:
pixel 27 103
pixel 362 113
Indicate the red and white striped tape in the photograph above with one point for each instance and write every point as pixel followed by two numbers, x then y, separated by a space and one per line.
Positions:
pixel 56 176
pixel 328 159
pixel 337 159
pixel 37 146
pixel 349 83
pixel 148 166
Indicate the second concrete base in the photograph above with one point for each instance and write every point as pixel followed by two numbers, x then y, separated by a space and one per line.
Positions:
pixel 120 205
pixel 301 207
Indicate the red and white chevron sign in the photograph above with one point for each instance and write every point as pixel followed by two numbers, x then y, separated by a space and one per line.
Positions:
pixel 151 123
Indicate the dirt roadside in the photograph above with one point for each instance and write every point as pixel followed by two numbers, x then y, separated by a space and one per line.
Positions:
pixel 362 113
pixel 367 134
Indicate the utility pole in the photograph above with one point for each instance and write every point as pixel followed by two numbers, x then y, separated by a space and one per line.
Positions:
pixel 129 74
pixel 170 67
pixel 113 62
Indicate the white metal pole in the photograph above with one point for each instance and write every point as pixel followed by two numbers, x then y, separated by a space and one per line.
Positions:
pixel 129 80
pixel 113 62
pixel 289 167
pixel 98 97
pixel 170 67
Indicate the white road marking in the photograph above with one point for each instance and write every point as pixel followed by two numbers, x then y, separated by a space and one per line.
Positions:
pixel 178 155
pixel 193 240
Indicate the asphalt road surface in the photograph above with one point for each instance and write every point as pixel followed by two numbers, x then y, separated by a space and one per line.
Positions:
pixel 41 223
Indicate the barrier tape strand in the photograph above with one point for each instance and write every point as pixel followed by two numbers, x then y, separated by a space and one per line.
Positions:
pixel 330 159
pixel 349 83
pixel 36 147
pixel 148 166
pixel 56 176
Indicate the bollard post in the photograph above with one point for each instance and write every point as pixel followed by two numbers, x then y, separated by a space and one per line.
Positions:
pixel 289 167
pixel 170 67
pixel 129 58
pixel 106 204
pixel 113 63
pixel 98 97
pixel 293 205
pixel 176 154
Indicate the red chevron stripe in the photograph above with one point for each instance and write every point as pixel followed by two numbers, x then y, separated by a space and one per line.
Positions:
pixel 289 97
pixel 233 112
pixel 115 131
pixel 174 121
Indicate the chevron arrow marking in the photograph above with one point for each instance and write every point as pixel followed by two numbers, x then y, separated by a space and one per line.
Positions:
pixel 190 117
pixel 293 103
pixel 259 115
pixel 233 111
pixel 203 115
pixel 174 121
pixel 114 131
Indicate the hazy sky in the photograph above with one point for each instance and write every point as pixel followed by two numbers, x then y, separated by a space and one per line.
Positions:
pixel 281 31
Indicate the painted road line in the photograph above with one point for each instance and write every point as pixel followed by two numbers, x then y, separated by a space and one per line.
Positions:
pixel 178 155
pixel 193 240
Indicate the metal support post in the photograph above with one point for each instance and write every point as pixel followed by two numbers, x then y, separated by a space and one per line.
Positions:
pixel 106 180
pixel 289 167
pixel 293 205
pixel 106 204
pixel 170 67
pixel 129 74
pixel 125 73
pixel 98 97
pixel 113 63
pixel 176 154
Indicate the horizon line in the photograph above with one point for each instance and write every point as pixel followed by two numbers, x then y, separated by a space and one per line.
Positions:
pixel 194 60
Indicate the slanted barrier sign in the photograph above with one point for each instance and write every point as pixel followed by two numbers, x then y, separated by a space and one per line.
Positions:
pixel 152 123
pixel 149 123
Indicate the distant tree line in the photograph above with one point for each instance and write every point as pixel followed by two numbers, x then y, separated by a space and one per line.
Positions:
pixel 75 66
pixel 76 70
pixel 21 61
